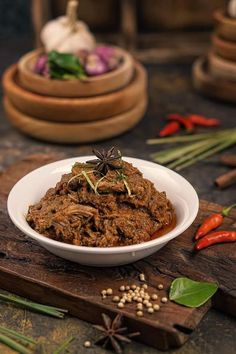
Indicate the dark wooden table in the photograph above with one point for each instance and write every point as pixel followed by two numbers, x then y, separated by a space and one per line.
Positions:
pixel 170 90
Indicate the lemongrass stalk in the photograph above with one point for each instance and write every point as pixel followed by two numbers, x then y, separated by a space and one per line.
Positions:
pixel 174 153
pixel 48 310
pixel 76 176
pixel 14 345
pixel 188 138
pixel 89 181
pixel 193 153
pixel 208 153
pixel 16 335
pixel 97 184
pixel 127 187
pixel 64 345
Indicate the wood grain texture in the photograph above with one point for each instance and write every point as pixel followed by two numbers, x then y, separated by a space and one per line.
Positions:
pixel 40 15
pixel 221 68
pixel 29 270
pixel 204 82
pixel 75 109
pixel 223 48
pixel 99 85
pixel 177 14
pixel 224 25
pixel 68 133
pixel 129 23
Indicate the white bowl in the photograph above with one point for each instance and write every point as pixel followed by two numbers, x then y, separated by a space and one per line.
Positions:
pixel 31 188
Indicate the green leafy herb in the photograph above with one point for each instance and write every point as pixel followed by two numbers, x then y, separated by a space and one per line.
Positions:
pixel 65 66
pixel 47 310
pixel 190 293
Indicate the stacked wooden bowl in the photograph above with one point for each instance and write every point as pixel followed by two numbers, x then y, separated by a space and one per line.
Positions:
pixel 75 111
pixel 215 75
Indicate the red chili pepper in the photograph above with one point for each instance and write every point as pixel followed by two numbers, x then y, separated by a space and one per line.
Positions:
pixel 216 237
pixel 169 129
pixel 203 121
pixel 189 126
pixel 212 222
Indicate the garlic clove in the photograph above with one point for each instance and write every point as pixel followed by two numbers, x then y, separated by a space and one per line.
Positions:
pixel 232 8
pixel 74 43
pixel 67 34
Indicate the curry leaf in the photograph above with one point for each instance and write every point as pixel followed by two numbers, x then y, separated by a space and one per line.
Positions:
pixel 190 293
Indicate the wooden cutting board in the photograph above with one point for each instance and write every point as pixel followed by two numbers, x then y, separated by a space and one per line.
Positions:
pixel 29 270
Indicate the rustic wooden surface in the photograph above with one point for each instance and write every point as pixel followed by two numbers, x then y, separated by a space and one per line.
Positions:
pixel 51 280
pixel 170 90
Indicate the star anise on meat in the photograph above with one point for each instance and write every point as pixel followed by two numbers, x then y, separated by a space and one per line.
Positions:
pixel 105 160
pixel 113 333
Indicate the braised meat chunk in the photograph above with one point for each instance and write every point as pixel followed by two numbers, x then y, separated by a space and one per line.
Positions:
pixel 96 209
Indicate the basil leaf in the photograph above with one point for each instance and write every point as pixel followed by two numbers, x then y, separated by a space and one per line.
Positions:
pixel 190 293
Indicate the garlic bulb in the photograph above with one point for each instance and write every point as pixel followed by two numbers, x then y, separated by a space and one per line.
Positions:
pixel 232 8
pixel 67 34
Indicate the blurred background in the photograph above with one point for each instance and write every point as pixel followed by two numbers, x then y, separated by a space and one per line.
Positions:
pixel 102 15
pixel 178 28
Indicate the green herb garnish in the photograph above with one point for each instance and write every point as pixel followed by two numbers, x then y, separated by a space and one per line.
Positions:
pixel 190 293
pixel 89 181
pixel 65 66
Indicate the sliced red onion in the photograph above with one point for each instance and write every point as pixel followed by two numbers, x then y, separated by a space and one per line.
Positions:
pixel 105 52
pixel 95 66
pixel 41 66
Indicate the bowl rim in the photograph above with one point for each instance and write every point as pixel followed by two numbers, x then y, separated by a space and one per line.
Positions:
pixel 10 84
pixel 220 61
pixel 102 250
pixel 220 41
pixel 220 15
pixel 23 62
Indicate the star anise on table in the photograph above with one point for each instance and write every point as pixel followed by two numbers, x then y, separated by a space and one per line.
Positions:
pixel 105 160
pixel 113 333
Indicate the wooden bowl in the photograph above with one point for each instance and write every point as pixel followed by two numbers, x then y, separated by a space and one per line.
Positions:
pixel 99 85
pixel 221 68
pixel 225 25
pixel 223 48
pixel 75 109
pixel 210 86
pixel 75 132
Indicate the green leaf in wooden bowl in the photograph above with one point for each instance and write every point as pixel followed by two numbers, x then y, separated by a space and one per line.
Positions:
pixel 190 293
